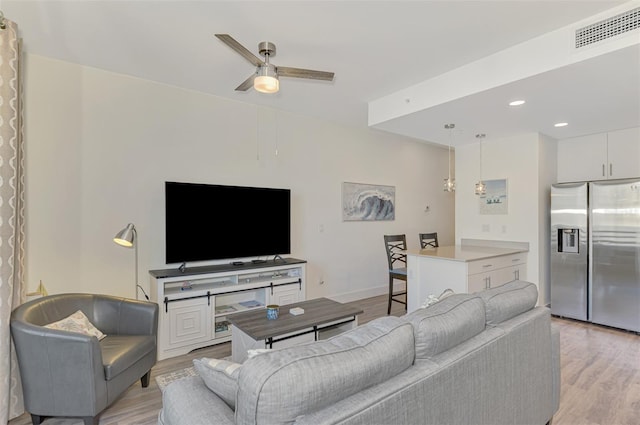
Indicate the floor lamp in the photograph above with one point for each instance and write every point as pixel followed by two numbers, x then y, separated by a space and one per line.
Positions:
pixel 127 238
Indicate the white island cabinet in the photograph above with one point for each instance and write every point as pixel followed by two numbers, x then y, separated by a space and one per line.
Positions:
pixel 195 305
pixel 470 267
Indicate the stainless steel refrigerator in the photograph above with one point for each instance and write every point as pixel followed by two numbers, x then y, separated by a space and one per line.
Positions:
pixel 595 252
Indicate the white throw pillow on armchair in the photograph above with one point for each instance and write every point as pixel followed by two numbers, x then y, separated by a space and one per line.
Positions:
pixel 78 322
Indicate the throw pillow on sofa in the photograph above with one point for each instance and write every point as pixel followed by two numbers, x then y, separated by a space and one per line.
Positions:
pixel 78 323
pixel 221 377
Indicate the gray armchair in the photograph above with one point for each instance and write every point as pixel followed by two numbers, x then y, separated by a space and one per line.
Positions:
pixel 74 375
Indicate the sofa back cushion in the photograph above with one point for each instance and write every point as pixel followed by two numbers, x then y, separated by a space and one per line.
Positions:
pixel 509 300
pixel 447 323
pixel 278 386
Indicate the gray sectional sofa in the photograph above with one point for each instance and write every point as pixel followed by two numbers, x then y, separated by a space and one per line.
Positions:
pixel 485 358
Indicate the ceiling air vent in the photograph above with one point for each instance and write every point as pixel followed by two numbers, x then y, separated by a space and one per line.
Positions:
pixel 608 28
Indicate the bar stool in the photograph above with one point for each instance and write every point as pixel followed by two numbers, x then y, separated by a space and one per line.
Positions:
pixel 395 245
pixel 428 240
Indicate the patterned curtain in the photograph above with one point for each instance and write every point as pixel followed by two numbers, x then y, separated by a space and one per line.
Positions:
pixel 12 290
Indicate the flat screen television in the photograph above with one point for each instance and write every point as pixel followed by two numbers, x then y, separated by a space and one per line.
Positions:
pixel 213 222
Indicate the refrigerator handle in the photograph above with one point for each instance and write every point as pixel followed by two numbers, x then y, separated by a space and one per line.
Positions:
pixel 611 169
pixel 603 170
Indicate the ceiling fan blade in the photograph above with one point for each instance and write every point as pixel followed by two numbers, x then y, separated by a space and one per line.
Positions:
pixel 231 42
pixel 246 84
pixel 285 71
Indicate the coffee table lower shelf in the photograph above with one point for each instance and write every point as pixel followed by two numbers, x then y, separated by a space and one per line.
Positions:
pixel 323 318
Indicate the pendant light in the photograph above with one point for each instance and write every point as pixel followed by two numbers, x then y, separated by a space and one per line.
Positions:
pixel 449 183
pixel 481 188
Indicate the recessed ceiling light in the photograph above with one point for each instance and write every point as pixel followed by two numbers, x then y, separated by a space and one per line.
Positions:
pixel 561 124
pixel 517 103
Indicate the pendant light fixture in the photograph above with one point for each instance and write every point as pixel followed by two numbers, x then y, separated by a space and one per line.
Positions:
pixel 481 188
pixel 449 183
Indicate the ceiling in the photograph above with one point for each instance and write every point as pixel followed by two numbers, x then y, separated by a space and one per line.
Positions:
pixel 375 48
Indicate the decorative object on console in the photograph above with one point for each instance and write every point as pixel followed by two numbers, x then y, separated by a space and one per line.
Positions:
pixel 225 309
pixel 481 187
pixel 222 326
pixel 251 304
pixel 449 183
pixel 368 202
pixel 127 238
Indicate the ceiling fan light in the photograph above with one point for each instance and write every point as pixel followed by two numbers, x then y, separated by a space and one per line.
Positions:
pixel 266 84
pixel 267 79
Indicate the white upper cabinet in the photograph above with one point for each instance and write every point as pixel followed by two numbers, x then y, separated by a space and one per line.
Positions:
pixel 624 153
pixel 613 155
pixel 582 158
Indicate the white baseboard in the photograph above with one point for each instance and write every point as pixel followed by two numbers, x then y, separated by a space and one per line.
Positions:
pixel 347 297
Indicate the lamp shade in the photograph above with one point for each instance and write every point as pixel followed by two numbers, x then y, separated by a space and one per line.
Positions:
pixel 126 237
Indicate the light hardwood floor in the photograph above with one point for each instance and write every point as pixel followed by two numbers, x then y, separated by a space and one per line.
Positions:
pixel 600 376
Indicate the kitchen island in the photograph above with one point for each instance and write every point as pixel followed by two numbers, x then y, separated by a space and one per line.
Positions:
pixel 472 266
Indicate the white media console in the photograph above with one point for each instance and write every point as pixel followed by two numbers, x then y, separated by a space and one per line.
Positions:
pixel 195 304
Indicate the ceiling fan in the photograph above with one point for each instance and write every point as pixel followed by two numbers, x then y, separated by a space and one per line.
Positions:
pixel 266 77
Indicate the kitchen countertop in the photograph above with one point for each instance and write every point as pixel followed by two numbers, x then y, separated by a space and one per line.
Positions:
pixel 465 253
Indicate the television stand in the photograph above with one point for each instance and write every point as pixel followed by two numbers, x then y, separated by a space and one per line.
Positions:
pixel 195 304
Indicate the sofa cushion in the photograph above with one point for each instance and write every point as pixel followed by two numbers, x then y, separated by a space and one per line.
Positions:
pixel 119 352
pixel 446 323
pixel 221 377
pixel 507 301
pixel 279 386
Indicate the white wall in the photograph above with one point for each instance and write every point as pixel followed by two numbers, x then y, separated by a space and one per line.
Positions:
pixel 99 147
pixel 547 168
pixel 527 162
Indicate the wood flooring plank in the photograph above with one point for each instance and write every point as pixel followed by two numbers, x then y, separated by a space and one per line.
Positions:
pixel 600 369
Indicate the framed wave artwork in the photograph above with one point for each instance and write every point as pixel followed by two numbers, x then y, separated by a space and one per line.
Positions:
pixel 368 202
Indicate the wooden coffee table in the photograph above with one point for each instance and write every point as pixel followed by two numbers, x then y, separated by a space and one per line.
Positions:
pixel 322 319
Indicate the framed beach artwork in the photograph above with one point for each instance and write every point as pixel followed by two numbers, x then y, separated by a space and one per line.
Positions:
pixel 495 200
pixel 368 202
